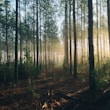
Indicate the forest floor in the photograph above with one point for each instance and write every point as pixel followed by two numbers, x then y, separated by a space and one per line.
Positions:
pixel 63 93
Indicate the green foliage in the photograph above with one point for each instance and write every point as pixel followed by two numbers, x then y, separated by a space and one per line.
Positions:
pixel 6 73
pixel 103 75
pixel 83 68
pixel 65 66
pixel 27 55
pixel 10 73
pixel 2 72
pixel 25 70
pixel 101 83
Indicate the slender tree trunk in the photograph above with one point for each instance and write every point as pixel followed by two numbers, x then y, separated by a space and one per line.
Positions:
pixel 7 31
pixel 6 41
pixel 49 54
pixel 75 41
pixel 34 35
pixel 108 13
pixel 37 37
pixel 70 36
pixel 91 48
pixel 34 50
pixel 25 29
pixel 77 22
pixel 81 34
pixel 0 51
pixel 97 31
pixel 85 53
pixel 16 45
pixel 0 44
pixel 20 34
pixel 100 33
pixel 45 54
pixel 40 40
pixel 66 36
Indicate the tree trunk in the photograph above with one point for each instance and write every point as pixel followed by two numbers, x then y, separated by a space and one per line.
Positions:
pixel 20 34
pixel 85 53
pixel 26 40
pixel 37 38
pixel 45 54
pixel 97 32
pixel 91 48
pixel 75 41
pixel 40 39
pixel 100 33
pixel 6 3
pixel 34 36
pixel 82 47
pixel 16 45
pixel 0 46
pixel 70 36
pixel 108 13
pixel 0 51
pixel 66 36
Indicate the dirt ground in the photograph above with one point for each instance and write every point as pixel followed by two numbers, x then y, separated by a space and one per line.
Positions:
pixel 54 94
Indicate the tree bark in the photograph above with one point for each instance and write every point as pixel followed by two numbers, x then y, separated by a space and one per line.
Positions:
pixel 34 36
pixel 108 13
pixel 91 48
pixel 16 45
pixel 20 34
pixel 70 36
pixel 75 41
pixel 6 4
pixel 37 38
pixel 66 36
pixel 97 32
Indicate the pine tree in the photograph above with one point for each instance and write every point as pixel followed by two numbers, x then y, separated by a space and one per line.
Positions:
pixel 91 48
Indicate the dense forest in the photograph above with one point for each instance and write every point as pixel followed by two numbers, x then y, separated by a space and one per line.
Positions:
pixel 53 50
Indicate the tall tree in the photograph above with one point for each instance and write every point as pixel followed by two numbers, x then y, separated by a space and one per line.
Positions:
pixel 37 35
pixel 25 2
pixel 40 34
pixel 66 36
pixel 33 24
pixel 100 31
pixel 97 30
pixel 20 32
pixel 70 36
pixel 82 61
pixel 0 31
pixel 91 48
pixel 75 41
pixel 85 7
pixel 6 11
pixel 108 10
pixel 16 45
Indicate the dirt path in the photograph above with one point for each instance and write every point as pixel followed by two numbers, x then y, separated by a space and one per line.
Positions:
pixel 20 97
pixel 67 94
